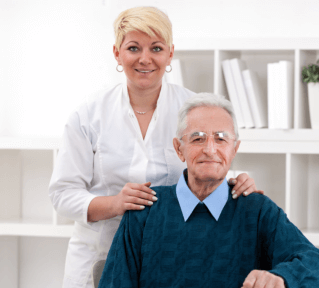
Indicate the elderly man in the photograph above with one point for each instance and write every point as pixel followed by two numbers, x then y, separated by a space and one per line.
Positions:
pixel 195 235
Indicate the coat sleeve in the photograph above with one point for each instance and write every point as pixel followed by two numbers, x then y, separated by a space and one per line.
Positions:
pixel 123 263
pixel 73 170
pixel 290 253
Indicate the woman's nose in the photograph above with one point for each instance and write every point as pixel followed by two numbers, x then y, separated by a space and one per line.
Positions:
pixel 145 57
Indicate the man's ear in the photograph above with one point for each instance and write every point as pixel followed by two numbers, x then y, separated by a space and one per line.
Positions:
pixel 237 146
pixel 116 54
pixel 177 145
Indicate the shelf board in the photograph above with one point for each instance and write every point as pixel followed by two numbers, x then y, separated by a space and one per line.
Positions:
pixel 276 135
pixel 280 43
pixel 35 143
pixel 272 141
pixel 21 227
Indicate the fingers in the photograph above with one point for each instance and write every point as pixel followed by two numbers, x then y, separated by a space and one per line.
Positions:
pixel 136 196
pixel 244 185
pixel 263 279
pixel 251 279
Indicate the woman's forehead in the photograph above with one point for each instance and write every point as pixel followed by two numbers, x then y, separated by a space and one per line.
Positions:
pixel 141 37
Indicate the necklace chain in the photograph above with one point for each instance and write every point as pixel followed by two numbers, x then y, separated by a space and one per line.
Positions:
pixel 142 113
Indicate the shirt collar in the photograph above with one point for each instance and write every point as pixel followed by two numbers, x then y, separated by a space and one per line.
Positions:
pixel 215 202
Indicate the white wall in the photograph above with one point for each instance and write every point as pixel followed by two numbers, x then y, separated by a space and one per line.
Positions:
pixel 55 52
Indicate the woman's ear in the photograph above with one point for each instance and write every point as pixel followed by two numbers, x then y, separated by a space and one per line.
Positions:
pixel 178 148
pixel 116 54
pixel 171 54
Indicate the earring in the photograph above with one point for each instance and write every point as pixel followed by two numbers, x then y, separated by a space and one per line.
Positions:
pixel 118 69
pixel 169 70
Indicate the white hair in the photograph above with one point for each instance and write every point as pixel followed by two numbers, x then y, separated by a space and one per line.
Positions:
pixel 206 100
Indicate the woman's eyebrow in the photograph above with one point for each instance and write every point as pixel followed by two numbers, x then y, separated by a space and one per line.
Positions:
pixel 157 42
pixel 130 42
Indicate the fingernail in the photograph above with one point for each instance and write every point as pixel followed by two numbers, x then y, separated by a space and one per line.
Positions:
pixel 150 203
pixel 232 192
pixel 142 207
pixel 245 193
pixel 234 196
pixel 153 192
pixel 233 181
pixel 154 198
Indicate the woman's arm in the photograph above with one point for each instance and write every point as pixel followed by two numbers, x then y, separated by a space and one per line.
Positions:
pixel 133 196
pixel 243 185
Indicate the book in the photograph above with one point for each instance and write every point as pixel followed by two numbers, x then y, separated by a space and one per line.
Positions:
pixel 256 97
pixel 175 76
pixel 286 96
pixel 237 66
pixel 233 93
pixel 280 95
pixel 272 89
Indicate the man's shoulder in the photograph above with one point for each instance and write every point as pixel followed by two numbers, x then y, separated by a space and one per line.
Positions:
pixel 256 201
pixel 164 194
pixel 164 190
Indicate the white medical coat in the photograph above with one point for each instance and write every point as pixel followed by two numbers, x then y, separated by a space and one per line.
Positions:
pixel 102 150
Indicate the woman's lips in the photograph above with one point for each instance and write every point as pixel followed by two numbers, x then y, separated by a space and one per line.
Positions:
pixel 145 71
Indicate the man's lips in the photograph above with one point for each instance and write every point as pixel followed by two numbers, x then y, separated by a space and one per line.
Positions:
pixel 210 161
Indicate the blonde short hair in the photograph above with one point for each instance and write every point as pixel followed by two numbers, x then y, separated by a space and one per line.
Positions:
pixel 149 20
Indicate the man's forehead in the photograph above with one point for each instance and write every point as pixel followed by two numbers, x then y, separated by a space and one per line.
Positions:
pixel 212 118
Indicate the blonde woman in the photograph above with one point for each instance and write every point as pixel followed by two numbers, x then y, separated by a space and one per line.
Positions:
pixel 120 142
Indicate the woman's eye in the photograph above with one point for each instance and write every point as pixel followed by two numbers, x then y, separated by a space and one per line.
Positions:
pixel 133 48
pixel 157 49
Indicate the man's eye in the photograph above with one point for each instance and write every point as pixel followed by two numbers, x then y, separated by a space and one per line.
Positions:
pixel 157 49
pixel 197 139
pixel 133 48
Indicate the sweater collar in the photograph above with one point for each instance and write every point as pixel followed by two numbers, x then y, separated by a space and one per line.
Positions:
pixel 215 201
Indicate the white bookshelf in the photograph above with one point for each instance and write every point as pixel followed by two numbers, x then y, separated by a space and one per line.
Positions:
pixel 284 163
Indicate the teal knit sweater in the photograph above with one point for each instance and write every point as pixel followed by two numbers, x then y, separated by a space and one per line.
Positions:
pixel 157 248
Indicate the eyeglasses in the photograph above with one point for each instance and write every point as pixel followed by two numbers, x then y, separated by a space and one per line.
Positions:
pixel 199 138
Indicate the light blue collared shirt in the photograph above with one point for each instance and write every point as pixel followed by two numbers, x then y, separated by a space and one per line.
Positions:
pixel 215 201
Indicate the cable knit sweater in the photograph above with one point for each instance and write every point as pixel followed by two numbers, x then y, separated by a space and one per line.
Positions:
pixel 157 248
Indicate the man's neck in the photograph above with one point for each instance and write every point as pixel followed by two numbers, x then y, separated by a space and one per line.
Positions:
pixel 202 189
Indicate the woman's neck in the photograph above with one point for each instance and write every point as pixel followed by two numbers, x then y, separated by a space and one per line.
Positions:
pixel 143 99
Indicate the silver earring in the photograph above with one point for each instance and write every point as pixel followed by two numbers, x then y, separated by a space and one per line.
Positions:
pixel 118 69
pixel 169 70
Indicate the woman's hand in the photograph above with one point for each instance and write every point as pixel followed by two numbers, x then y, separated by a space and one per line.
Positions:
pixel 134 196
pixel 243 184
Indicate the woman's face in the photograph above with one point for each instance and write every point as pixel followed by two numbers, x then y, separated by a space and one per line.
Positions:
pixel 144 59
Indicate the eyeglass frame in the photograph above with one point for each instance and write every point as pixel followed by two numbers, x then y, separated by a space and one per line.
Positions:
pixel 231 136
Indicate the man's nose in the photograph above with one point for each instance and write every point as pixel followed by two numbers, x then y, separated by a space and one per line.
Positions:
pixel 209 146
pixel 145 57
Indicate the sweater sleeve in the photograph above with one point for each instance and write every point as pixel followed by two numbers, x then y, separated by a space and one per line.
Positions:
pixel 290 253
pixel 123 263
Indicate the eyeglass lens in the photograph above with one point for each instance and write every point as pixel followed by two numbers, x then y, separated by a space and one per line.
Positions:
pixel 220 138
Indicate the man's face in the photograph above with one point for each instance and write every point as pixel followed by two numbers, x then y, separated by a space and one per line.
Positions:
pixel 209 161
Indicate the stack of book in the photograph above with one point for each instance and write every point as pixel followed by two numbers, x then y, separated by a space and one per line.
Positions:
pixel 280 95
pixel 249 100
